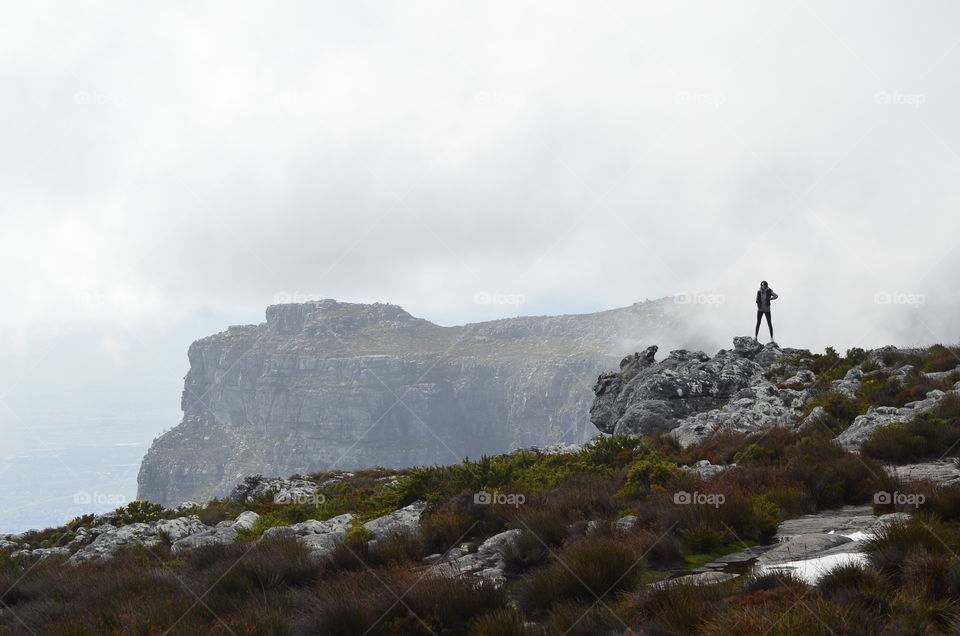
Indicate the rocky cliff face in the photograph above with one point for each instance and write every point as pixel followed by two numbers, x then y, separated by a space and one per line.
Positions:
pixel 329 385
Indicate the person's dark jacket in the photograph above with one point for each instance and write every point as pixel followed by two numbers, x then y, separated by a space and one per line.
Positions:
pixel 764 296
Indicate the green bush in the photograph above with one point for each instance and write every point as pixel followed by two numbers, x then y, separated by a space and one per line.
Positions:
pixel 140 511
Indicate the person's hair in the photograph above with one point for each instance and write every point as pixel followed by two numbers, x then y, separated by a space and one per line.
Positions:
pixel 763 282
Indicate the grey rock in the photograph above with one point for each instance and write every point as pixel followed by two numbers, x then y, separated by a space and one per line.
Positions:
pixel 845 520
pixel 878 417
pixel 284 490
pixel 942 472
pixel 769 355
pixel 187 505
pixel 9 545
pixel 46 553
pixel 176 529
pixel 109 542
pixel 802 376
pixel 747 346
pixel 221 535
pixel 560 448
pixel 802 546
pixel 850 383
pixel 877 354
pixel 246 520
pixel 320 537
pixel 625 523
pixel 755 408
pixel 706 470
pixel 487 562
pixel 404 520
pixel 703 578
pixel 658 396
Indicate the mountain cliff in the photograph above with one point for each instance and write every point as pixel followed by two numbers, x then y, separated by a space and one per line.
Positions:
pixel 331 385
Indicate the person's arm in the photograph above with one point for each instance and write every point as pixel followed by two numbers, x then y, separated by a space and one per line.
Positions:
pixel 773 295
pixel 758 298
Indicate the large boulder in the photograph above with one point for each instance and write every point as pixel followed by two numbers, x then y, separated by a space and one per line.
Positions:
pixel 647 397
pixel 176 529
pixel 406 520
pixel 284 490
pixel 486 563
pixel 109 542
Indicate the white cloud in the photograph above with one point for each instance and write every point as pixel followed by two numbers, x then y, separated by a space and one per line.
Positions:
pixel 161 160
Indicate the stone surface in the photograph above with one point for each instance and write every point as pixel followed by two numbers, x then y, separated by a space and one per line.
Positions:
pixel 109 542
pixel 320 537
pixel 703 578
pixel 487 562
pixel 176 529
pixel 284 490
pixel 706 470
pixel 802 546
pixel 404 520
pixel 224 532
pixel 316 387
pixel 882 416
pixel 658 395
pixel 942 472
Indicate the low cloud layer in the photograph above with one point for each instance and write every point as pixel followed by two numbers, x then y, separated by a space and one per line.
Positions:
pixel 167 160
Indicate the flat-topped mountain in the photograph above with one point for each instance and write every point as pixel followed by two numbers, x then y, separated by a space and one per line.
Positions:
pixel 331 385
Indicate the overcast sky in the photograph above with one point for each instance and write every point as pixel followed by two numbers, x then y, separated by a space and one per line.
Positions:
pixel 172 168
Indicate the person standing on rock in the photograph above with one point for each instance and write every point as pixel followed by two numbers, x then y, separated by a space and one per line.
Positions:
pixel 764 296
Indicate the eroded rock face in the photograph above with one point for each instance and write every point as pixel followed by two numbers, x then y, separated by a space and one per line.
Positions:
pixel 694 395
pixel 329 385
pixel 878 417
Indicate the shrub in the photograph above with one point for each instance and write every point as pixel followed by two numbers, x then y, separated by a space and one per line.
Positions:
pixel 832 475
pixel 675 608
pixel 593 568
pixel 895 544
pixel 140 511
pixel 540 531
pixel 502 622
pixel 924 437
pixel 840 407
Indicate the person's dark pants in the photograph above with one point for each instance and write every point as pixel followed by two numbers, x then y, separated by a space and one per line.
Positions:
pixel 760 314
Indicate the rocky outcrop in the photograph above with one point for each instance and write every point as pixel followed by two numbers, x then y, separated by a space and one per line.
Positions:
pixel 878 417
pixel 693 395
pixel 329 385
pixel 486 563
pixel 108 540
